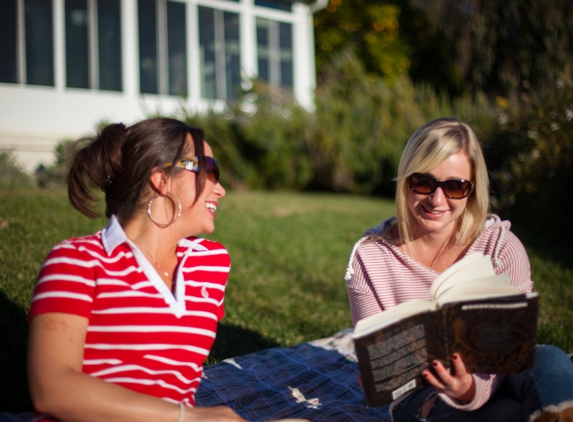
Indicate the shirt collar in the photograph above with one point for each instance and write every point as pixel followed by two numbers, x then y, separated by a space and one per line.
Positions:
pixel 113 236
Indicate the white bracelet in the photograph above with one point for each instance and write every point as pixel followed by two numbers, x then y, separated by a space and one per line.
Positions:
pixel 181 411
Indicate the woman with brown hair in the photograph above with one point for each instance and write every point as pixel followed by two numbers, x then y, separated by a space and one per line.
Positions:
pixel 121 321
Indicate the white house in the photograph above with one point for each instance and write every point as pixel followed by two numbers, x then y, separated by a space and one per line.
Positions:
pixel 67 65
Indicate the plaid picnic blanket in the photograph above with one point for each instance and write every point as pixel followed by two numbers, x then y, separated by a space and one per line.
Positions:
pixel 317 381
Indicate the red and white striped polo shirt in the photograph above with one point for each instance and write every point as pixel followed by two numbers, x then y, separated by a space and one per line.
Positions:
pixel 140 335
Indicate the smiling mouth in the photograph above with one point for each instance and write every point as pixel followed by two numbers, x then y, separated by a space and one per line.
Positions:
pixel 438 212
pixel 211 207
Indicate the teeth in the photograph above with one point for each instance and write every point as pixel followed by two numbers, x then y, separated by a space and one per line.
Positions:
pixel 211 206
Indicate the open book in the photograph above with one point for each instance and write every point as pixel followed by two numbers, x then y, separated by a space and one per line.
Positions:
pixel 472 311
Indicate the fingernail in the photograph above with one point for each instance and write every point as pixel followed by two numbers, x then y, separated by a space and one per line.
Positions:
pixel 424 374
pixel 455 356
pixel 435 363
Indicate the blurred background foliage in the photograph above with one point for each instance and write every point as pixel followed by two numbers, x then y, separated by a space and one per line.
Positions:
pixel 384 67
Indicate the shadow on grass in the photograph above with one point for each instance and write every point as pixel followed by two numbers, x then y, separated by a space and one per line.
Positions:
pixel 13 343
pixel 236 341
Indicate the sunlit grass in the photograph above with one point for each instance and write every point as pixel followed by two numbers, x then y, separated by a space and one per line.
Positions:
pixel 289 253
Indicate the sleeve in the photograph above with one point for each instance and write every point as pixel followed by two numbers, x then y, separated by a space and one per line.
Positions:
pixel 361 297
pixel 512 259
pixel 66 282
pixel 486 386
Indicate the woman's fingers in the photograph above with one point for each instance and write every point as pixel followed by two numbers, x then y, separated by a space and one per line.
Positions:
pixel 460 385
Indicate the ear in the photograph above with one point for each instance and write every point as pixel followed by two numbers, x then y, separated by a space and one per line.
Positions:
pixel 158 181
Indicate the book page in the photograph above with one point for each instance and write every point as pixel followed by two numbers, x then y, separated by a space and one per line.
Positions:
pixel 465 271
pixel 374 322
pixel 478 293
pixel 492 286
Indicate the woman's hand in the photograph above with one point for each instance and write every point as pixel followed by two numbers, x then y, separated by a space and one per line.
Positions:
pixel 459 386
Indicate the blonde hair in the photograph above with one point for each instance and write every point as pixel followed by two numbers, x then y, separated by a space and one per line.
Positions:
pixel 428 147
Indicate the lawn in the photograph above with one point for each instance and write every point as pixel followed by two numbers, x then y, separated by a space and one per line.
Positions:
pixel 289 254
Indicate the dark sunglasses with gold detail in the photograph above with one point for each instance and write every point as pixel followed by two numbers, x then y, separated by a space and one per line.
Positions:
pixel 425 184
pixel 192 164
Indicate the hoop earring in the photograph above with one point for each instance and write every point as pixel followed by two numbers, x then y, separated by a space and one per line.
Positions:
pixel 173 220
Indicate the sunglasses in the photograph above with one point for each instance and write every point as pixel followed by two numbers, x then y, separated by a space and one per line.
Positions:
pixel 192 164
pixel 454 189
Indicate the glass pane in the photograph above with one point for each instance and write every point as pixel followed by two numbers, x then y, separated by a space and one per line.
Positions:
pixel 263 49
pixel 232 55
pixel 177 48
pixel 285 54
pixel 147 47
pixel 8 40
pixel 281 5
pixel 77 46
pixel 109 44
pixel 39 42
pixel 207 52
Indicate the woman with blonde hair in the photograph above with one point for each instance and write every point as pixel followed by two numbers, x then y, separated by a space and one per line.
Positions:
pixel 121 321
pixel 442 215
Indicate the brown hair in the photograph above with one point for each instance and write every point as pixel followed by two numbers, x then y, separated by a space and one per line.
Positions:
pixel 119 161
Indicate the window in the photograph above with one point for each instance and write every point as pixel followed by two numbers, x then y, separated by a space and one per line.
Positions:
pixel 162 47
pixel 274 4
pixel 39 42
pixel 8 42
pixel 220 54
pixel 275 52
pixel 26 42
pixel 93 44
pixel 109 44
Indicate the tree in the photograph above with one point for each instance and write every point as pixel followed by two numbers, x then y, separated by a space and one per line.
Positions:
pixel 391 37
pixel 507 48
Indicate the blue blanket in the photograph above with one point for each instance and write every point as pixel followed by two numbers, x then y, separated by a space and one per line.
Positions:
pixel 317 381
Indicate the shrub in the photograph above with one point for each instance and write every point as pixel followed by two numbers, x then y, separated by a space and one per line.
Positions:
pixel 531 152
pixel 259 141
pixel 55 175
pixel 12 176
pixel 362 125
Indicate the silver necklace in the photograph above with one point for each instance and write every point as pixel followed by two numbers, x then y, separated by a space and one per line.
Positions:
pixel 149 253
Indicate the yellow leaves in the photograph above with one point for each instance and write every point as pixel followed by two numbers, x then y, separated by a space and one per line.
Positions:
pixel 502 102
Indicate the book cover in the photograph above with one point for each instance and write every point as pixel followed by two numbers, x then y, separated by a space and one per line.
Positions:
pixel 494 335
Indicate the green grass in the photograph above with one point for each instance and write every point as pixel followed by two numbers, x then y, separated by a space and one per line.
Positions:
pixel 289 254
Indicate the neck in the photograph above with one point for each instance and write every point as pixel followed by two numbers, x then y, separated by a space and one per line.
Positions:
pixel 156 244
pixel 436 250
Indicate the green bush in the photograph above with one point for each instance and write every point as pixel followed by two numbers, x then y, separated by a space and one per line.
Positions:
pixel 260 141
pixel 362 125
pixel 12 176
pixel 531 153
pixel 55 175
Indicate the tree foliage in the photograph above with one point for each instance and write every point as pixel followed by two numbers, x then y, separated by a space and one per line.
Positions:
pixel 505 48
pixel 391 37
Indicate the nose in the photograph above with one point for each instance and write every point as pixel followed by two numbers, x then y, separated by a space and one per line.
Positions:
pixel 438 196
pixel 220 190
